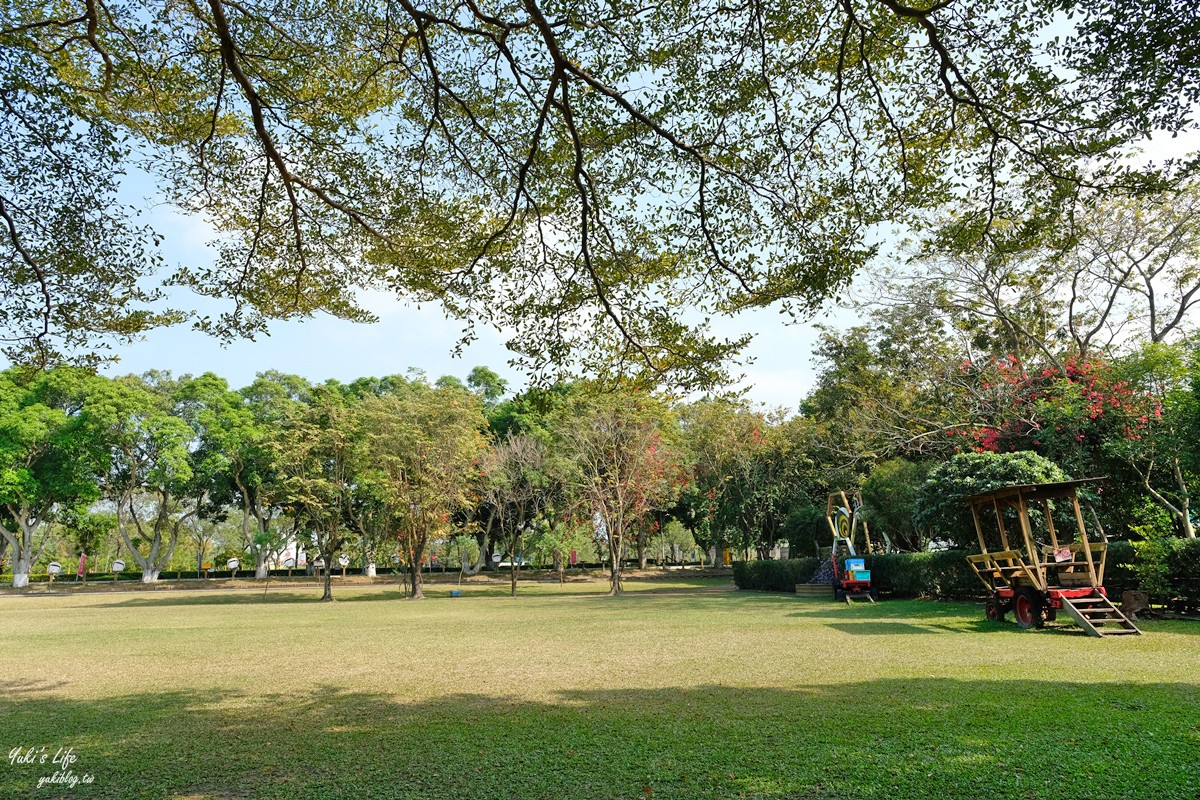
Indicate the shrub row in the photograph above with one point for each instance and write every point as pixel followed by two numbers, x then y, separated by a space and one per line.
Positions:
pixel 1168 569
pixel 774 576
pixel 944 575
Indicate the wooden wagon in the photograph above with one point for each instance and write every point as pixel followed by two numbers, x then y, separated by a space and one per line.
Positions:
pixel 1040 570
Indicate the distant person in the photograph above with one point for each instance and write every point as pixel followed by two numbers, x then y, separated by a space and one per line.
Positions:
pixel 82 567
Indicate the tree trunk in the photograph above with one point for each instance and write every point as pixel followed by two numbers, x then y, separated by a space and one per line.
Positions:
pixel 327 577
pixel 513 575
pixel 150 575
pixel 1189 530
pixel 261 568
pixel 614 555
pixel 414 572
pixel 369 569
pixel 614 579
pixel 481 560
pixel 22 544
pixel 1181 512
pixel 21 569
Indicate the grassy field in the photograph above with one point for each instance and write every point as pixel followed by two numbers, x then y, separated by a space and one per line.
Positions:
pixel 679 690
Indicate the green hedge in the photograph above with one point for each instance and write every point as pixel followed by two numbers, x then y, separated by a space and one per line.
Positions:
pixel 945 574
pixel 1183 569
pixel 1119 571
pixel 774 576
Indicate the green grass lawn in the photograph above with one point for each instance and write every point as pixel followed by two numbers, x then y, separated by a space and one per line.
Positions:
pixel 674 690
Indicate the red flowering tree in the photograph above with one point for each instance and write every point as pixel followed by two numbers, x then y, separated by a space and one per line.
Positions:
pixel 1132 420
pixel 620 462
pixel 1159 426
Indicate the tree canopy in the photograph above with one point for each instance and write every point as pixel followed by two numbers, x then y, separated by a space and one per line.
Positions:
pixel 596 179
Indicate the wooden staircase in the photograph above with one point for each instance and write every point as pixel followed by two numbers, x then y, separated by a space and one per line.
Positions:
pixel 1098 616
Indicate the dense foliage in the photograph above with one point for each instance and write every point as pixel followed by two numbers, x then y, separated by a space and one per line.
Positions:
pixel 582 175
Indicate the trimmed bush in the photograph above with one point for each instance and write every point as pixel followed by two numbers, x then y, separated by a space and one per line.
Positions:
pixel 943 575
pixel 1179 570
pixel 774 576
pixel 1120 573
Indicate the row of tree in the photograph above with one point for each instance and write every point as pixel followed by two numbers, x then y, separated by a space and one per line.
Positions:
pixel 380 467
pixel 376 466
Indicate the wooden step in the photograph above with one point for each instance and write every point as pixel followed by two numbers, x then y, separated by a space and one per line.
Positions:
pixel 1096 612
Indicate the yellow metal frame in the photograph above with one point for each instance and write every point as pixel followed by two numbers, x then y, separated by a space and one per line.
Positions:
pixel 856 519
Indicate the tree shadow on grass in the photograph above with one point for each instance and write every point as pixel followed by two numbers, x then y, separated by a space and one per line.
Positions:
pixel 888 738
pixel 917 616
pixel 243 597
pixel 881 628
pixel 391 592
pixel 888 609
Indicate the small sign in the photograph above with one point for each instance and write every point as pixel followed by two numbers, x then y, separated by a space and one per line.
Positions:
pixel 289 562
pixel 54 568
pixel 319 563
pixel 497 558
pixel 233 563
pixel 344 560
pixel 118 565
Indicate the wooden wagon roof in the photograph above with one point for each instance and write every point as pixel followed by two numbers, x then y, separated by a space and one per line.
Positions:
pixel 1029 491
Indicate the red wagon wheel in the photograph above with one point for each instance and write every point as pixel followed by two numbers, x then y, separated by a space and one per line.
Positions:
pixel 993 611
pixel 1028 609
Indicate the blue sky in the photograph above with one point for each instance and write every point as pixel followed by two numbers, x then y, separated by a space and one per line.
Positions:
pixel 405 337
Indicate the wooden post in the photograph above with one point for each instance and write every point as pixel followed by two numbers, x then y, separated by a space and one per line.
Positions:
pixel 978 528
pixel 866 530
pixel 1087 548
pixel 1000 522
pixel 1050 523
pixel 1038 565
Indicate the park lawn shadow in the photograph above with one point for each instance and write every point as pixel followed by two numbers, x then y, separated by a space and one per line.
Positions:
pixel 868 628
pixel 393 592
pixel 901 739
pixel 886 609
